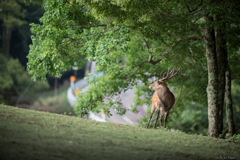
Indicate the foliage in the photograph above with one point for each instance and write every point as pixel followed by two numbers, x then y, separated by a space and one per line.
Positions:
pixel 11 17
pixel 65 76
pixel 131 42
pixel 21 35
pixel 117 50
pixel 43 135
pixel 12 13
pixel 190 119
pixel 5 78
pixel 193 117
pixel 235 137
pixel 55 41
pixel 14 79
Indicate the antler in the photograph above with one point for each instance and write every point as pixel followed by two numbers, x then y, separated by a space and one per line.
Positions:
pixel 169 73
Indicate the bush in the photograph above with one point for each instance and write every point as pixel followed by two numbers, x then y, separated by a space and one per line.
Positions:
pixel 14 79
pixel 193 119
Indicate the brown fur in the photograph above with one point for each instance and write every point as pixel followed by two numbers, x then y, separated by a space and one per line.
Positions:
pixel 162 101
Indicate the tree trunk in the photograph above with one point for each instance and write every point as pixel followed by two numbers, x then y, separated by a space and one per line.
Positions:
pixel 229 108
pixel 221 49
pixel 55 86
pixel 212 88
pixel 7 32
pixel 87 69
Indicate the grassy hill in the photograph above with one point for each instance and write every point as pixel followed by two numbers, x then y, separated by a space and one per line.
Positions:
pixel 28 134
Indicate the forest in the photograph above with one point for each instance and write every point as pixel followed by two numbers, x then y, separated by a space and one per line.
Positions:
pixel 132 42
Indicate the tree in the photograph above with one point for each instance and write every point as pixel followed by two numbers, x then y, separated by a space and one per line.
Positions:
pixel 10 17
pixel 21 35
pixel 131 41
pixel 14 80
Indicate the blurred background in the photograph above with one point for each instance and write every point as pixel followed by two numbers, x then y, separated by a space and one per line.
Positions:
pixel 17 88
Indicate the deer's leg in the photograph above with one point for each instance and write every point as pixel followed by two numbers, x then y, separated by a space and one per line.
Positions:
pixel 152 111
pixel 150 118
pixel 160 118
pixel 165 119
pixel 158 111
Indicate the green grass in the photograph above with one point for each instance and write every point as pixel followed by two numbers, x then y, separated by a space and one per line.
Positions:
pixel 28 134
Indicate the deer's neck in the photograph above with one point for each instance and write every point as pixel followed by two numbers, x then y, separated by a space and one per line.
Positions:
pixel 163 93
pixel 163 90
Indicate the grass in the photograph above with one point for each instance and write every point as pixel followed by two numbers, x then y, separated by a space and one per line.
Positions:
pixel 28 134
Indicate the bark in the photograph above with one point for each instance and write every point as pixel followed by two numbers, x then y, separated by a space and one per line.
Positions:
pixel 55 86
pixel 88 68
pixel 212 88
pixel 229 108
pixel 7 32
pixel 221 49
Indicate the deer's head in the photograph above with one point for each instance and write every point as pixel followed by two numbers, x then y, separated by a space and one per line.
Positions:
pixel 157 85
pixel 160 83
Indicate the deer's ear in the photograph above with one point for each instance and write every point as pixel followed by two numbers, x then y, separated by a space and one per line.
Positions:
pixel 159 82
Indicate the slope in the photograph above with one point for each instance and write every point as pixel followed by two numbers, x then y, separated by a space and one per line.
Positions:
pixel 29 134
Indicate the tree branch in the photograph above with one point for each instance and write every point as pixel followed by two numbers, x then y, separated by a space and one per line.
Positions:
pixel 145 42
pixel 89 26
pixel 150 60
pixel 165 2
pixel 64 20
pixel 195 37
pixel 200 3
pixel 146 76
pixel 197 19
pixel 81 15
pixel 178 96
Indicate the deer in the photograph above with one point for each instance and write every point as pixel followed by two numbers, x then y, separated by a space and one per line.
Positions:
pixel 162 99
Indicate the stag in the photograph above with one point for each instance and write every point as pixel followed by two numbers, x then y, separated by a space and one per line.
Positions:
pixel 163 99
